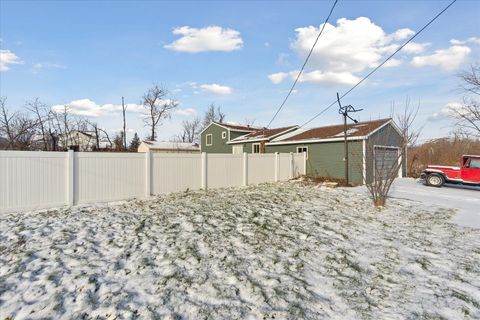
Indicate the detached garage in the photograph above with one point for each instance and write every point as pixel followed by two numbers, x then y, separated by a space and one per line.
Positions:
pixel 374 148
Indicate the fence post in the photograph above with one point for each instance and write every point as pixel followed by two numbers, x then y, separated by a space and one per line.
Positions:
pixel 204 171
pixel 148 174
pixel 277 167
pixel 305 163
pixel 291 165
pixel 245 169
pixel 71 177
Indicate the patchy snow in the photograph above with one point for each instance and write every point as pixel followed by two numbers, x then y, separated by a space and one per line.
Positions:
pixel 285 251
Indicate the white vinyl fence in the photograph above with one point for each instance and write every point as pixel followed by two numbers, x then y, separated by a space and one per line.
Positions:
pixel 34 180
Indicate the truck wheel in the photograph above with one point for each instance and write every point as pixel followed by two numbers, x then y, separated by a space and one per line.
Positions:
pixel 435 180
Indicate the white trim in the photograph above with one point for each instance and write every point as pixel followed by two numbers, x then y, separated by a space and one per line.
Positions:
pixel 303 147
pixel 246 141
pixel 253 148
pixel 315 140
pixel 383 126
pixel 224 135
pixel 211 140
pixel 446 167
pixel 235 141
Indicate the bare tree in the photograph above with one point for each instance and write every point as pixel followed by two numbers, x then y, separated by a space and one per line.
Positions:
pixel 213 113
pixel 158 107
pixel 389 161
pixel 18 128
pixel 190 131
pixel 41 112
pixel 124 109
pixel 467 116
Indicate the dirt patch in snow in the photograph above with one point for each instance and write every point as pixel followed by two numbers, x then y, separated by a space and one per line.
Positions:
pixel 284 251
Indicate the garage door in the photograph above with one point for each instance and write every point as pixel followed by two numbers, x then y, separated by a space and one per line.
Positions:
pixel 386 161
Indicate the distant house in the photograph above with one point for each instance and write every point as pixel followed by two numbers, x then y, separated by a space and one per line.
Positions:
pixel 168 147
pixel 370 144
pixel 82 141
pixel 215 137
pixel 254 142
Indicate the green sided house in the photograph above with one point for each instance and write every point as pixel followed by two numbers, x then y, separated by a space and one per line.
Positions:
pixel 372 145
pixel 215 136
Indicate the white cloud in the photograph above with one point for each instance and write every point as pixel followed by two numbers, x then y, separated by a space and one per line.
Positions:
pixel 185 112
pixel 278 77
pixel 415 47
pixel 329 78
pixel 448 59
pixel 47 65
pixel 448 111
pixel 474 40
pixel 216 89
pixel 402 34
pixel 7 58
pixel 346 49
pixel 392 63
pixel 87 107
pixel 212 38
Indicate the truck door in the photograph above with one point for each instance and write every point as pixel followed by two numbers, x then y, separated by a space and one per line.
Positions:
pixel 471 171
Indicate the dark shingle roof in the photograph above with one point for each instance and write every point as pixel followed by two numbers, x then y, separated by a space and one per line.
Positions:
pixel 336 131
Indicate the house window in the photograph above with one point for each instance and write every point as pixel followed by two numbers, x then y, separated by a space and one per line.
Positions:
pixel 256 148
pixel 302 150
pixel 224 135
pixel 208 139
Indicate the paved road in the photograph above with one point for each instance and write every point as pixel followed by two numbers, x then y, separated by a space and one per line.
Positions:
pixel 465 199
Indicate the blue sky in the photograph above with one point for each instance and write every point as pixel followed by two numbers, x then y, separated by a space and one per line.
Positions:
pixel 239 55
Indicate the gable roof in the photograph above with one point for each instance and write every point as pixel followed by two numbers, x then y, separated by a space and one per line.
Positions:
pixel 167 145
pixel 354 131
pixel 263 134
pixel 232 127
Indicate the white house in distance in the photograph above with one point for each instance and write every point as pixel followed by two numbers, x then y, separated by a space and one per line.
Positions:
pixel 82 141
pixel 168 147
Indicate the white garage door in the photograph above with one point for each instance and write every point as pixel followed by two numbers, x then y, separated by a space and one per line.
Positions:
pixel 385 161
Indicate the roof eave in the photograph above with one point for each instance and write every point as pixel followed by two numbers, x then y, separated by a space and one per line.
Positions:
pixel 354 138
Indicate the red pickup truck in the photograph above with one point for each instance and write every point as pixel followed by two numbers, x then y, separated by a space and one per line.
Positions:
pixel 468 173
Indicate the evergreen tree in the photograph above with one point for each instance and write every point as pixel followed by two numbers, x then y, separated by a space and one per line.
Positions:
pixel 134 143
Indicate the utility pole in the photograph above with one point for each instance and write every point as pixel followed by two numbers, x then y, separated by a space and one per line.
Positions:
pixel 124 108
pixel 344 112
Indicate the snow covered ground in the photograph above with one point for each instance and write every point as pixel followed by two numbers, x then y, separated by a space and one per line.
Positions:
pixel 284 251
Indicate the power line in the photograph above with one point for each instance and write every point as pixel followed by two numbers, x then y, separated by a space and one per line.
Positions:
pixel 381 64
pixel 304 64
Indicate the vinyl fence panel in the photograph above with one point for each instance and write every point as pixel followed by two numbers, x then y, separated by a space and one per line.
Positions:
pixel 284 164
pixel 108 176
pixel 224 170
pixel 32 180
pixel 261 168
pixel 174 172
pixel 299 164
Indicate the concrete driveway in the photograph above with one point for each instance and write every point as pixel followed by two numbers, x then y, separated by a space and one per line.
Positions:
pixel 466 200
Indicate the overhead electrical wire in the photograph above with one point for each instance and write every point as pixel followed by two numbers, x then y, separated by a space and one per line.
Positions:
pixel 303 66
pixel 381 64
